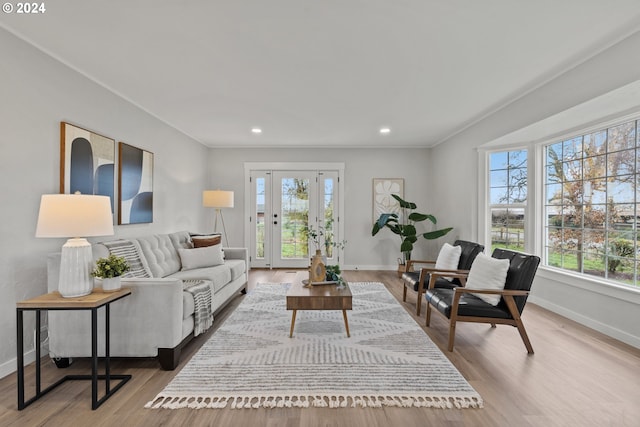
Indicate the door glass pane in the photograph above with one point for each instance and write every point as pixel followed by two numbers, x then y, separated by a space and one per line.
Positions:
pixel 294 218
pixel 328 208
pixel 260 224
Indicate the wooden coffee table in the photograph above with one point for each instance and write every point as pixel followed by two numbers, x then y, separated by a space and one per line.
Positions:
pixel 318 297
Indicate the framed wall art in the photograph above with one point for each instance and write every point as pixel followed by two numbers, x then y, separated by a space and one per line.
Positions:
pixel 383 202
pixel 135 185
pixel 87 162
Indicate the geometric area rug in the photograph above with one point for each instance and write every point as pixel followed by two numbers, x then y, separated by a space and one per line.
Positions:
pixel 250 361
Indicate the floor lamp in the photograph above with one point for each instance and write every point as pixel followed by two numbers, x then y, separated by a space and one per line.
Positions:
pixel 75 216
pixel 218 199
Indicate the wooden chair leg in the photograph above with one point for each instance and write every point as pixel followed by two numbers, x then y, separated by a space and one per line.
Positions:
pixel 511 304
pixel 419 304
pixel 428 314
pixel 452 332
pixel 524 336
pixel 404 291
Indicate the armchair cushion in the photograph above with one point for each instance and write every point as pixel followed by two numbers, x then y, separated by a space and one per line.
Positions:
pixel 412 278
pixel 488 273
pixel 448 258
pixel 469 305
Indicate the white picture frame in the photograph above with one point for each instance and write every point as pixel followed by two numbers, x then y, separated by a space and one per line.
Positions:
pixel 383 202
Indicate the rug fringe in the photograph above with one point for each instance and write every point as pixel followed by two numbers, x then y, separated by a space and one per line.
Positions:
pixel 316 401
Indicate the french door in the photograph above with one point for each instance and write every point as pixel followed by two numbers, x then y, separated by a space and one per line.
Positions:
pixel 284 205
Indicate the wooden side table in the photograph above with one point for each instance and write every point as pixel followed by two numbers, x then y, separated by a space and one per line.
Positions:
pixel 54 301
pixel 318 297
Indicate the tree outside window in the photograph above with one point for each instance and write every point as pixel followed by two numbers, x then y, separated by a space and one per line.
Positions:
pixel 591 197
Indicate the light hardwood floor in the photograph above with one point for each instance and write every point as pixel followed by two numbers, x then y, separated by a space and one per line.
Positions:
pixel 577 377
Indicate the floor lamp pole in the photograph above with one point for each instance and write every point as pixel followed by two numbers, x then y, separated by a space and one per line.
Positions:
pixel 215 225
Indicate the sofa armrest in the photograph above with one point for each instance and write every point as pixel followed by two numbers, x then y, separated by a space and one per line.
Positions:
pixel 152 313
pixel 238 253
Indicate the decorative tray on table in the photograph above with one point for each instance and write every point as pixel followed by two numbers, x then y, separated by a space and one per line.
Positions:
pixel 330 282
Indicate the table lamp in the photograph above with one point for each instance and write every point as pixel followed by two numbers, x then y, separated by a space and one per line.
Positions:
pixel 218 199
pixel 75 216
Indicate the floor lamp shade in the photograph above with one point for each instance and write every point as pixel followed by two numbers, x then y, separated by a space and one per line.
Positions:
pixel 75 216
pixel 218 199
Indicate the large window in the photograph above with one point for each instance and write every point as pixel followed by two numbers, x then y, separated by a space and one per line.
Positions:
pixel 591 203
pixel 508 198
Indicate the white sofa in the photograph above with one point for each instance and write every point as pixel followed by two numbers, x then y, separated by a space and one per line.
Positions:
pixel 157 319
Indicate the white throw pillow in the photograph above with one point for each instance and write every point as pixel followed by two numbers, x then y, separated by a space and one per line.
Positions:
pixel 448 258
pixel 488 273
pixel 207 256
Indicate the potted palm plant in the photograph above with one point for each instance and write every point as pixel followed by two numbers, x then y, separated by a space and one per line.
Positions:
pixel 405 227
pixel 109 270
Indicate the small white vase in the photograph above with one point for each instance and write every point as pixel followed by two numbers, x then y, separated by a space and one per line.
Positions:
pixel 110 284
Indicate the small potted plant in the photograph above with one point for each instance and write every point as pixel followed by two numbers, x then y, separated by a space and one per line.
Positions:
pixel 110 269
pixel 334 275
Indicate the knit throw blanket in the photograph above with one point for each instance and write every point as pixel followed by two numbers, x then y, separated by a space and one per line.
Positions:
pixel 202 316
pixel 127 250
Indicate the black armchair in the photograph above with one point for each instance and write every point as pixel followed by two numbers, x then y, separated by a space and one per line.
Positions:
pixel 460 305
pixel 416 279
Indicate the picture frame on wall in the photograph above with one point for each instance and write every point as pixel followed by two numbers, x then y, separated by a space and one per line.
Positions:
pixel 87 162
pixel 383 202
pixel 135 185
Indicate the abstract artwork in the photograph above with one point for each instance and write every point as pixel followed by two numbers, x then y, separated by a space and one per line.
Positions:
pixel 135 185
pixel 87 162
pixel 383 202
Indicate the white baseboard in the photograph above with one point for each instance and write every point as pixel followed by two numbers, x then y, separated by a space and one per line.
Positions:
pixel 11 366
pixel 370 267
pixel 587 321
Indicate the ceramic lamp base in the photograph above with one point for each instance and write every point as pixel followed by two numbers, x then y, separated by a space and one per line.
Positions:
pixel 75 268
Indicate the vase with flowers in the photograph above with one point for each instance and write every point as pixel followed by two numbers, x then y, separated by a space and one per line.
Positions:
pixel 319 271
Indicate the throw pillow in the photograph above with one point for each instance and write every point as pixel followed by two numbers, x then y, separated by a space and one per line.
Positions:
pixel 207 256
pixel 448 258
pixel 206 240
pixel 488 273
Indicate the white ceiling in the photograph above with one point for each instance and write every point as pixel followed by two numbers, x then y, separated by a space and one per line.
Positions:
pixel 324 73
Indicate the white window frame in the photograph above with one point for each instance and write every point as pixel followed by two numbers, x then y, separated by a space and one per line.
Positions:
pixel 535 210
pixel 484 213
pixel 540 197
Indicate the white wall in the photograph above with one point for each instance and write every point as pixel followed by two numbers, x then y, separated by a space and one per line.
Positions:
pixel 37 93
pixel 605 72
pixel 361 165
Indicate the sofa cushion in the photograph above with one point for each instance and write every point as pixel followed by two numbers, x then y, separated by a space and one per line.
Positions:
pixel 220 275
pixel 181 239
pixel 160 253
pixel 202 240
pixel 207 256
pixel 237 267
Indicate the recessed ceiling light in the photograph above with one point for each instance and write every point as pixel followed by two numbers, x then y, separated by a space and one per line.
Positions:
pixel 385 130
pixel 256 130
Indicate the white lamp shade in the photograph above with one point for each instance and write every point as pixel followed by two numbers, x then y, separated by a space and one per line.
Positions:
pixel 74 215
pixel 217 199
